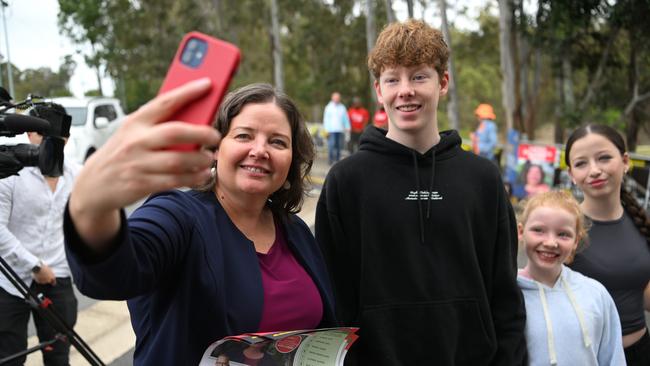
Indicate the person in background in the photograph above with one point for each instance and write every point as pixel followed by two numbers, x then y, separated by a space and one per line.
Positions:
pixel 380 119
pixel 359 118
pixel 484 138
pixel 31 242
pixel 227 258
pixel 618 255
pixel 336 123
pixel 570 319
pixel 418 234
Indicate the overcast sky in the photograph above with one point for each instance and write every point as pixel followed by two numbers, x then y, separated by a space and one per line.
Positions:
pixel 34 39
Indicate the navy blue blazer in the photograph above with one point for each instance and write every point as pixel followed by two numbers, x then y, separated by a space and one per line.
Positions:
pixel 189 275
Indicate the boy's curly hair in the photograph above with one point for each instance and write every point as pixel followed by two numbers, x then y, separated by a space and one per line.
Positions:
pixel 410 43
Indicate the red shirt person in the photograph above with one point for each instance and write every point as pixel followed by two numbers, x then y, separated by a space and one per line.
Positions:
pixel 380 120
pixel 359 118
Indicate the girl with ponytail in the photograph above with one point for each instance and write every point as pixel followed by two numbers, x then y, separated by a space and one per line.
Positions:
pixel 618 255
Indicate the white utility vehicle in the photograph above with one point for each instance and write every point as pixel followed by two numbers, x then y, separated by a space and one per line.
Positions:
pixel 94 119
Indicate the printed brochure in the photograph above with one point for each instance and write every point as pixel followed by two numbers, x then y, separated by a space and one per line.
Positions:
pixel 315 347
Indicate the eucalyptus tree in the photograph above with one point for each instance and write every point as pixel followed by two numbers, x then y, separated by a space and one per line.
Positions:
pixel 452 105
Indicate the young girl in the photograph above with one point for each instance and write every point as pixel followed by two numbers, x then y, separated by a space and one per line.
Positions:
pixel 570 318
pixel 618 255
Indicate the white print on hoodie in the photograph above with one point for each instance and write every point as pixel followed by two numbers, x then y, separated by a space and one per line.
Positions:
pixel 575 322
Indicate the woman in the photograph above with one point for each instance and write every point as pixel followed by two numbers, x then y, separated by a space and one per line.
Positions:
pixel 199 265
pixel 618 255
pixel 532 176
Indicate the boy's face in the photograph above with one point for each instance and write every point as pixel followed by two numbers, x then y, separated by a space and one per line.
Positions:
pixel 410 96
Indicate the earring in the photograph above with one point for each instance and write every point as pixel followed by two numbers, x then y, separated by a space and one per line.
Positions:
pixel 213 172
pixel 286 185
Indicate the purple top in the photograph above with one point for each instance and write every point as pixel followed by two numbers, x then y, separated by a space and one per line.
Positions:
pixel 291 299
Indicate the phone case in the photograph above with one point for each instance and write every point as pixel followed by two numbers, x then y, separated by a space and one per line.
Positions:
pixel 218 61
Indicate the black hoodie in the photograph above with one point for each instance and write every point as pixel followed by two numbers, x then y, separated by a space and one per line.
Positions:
pixel 422 253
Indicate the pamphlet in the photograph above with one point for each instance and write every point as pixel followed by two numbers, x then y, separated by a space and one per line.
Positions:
pixel 314 347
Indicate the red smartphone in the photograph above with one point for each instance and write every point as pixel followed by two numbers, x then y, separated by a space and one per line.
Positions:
pixel 200 56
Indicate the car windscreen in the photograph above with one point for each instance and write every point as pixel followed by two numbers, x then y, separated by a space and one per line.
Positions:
pixel 78 115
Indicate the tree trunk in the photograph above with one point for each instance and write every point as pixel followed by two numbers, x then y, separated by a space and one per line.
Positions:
pixel 596 80
pixel 558 134
pixel 123 99
pixel 520 60
pixel 278 74
pixel 631 111
pixel 452 106
pixel 632 130
pixel 409 5
pixel 98 71
pixel 218 20
pixel 507 64
pixel 390 14
pixel 524 52
pixel 531 101
pixel 567 83
pixel 566 107
pixel 371 34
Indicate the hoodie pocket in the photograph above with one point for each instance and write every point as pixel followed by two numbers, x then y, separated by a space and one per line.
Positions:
pixel 448 332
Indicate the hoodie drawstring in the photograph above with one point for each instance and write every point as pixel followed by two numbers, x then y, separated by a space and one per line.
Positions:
pixel 417 195
pixel 549 327
pixel 579 313
pixel 433 175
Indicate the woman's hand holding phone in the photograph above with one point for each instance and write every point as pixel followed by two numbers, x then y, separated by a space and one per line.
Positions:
pixel 201 56
pixel 137 161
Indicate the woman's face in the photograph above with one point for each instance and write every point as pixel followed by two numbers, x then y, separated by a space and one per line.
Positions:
pixel 597 166
pixel 255 155
pixel 534 175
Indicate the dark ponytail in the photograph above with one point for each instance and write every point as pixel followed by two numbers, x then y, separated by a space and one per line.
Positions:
pixel 636 212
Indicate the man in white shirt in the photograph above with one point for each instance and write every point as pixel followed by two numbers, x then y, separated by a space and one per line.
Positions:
pixel 336 122
pixel 31 242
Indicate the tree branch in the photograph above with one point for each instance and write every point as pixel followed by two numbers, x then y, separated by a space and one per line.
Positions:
pixel 595 81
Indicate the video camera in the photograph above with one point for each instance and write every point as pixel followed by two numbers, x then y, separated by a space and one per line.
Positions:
pixel 47 119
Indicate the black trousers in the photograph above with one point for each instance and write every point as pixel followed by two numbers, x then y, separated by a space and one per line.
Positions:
pixel 638 354
pixel 353 144
pixel 14 316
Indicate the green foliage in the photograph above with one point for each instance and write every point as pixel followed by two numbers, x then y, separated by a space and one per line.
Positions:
pixel 42 81
pixel 476 57
pixel 324 50
pixel 93 93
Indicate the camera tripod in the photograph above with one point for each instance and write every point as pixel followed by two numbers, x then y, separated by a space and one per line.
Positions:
pixel 44 308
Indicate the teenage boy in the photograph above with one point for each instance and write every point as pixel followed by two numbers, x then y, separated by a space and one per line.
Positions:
pixel 418 234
